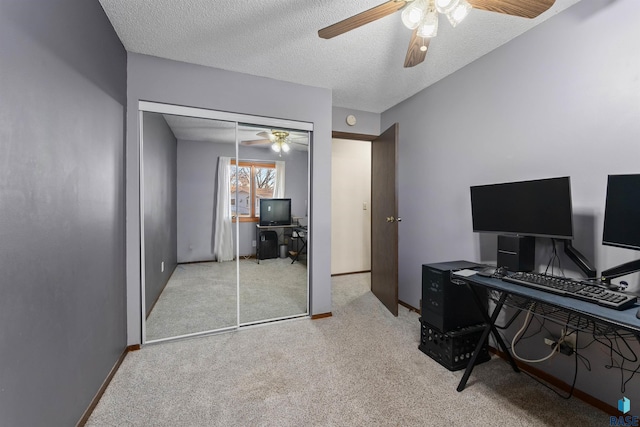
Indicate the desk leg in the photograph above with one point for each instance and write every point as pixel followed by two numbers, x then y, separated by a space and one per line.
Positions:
pixel 257 245
pixel 485 334
pixel 491 322
pixel 295 257
pixel 298 249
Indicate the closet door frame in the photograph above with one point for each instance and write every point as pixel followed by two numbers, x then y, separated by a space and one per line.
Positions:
pixel 178 110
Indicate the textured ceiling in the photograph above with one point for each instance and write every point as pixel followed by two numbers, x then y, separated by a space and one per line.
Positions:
pixel 279 39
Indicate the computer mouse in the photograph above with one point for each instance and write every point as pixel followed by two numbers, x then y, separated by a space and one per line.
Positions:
pixel 500 272
pixel 486 271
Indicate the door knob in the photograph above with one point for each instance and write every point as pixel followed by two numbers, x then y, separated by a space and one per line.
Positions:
pixel 399 219
pixel 390 219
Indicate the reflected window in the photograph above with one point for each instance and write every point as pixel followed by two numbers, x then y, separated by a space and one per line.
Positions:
pixel 250 182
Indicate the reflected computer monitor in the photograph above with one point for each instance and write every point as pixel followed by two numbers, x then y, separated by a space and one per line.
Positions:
pixel 275 212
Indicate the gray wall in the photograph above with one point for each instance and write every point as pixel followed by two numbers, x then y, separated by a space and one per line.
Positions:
pixel 62 250
pixel 561 99
pixel 160 213
pixel 161 80
pixel 197 192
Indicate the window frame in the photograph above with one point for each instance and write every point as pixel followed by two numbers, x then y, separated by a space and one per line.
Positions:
pixel 253 164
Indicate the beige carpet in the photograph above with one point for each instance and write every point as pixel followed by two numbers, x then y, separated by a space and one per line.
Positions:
pixel 361 367
pixel 202 296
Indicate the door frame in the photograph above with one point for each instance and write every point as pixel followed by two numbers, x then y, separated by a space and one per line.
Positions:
pixel 365 137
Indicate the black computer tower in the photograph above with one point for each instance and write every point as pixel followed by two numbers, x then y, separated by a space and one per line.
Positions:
pixel 268 245
pixel 445 305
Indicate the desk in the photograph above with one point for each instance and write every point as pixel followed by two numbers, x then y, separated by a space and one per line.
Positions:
pixel 293 227
pixel 260 228
pixel 517 296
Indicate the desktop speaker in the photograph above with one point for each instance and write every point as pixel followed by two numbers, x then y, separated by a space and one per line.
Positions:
pixel 517 253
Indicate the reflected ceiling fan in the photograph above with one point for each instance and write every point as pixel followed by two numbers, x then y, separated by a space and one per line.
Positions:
pixel 279 140
pixel 421 16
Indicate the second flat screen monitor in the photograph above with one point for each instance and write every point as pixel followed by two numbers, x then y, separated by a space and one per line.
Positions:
pixel 622 212
pixel 529 208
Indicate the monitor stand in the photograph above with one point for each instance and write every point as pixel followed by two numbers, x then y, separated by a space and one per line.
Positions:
pixel 621 270
pixel 580 260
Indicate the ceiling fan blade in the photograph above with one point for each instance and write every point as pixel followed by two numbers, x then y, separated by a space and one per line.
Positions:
pixel 361 19
pixel 414 55
pixel 264 134
pixel 256 142
pixel 523 8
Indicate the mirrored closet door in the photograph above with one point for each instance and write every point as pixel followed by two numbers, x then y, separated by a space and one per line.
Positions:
pixel 270 205
pixel 186 290
pixel 205 267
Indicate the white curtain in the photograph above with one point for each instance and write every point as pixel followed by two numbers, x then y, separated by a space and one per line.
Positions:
pixel 223 236
pixel 278 189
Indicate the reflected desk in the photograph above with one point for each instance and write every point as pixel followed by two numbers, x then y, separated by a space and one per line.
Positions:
pixel 300 234
pixel 259 228
pixel 569 312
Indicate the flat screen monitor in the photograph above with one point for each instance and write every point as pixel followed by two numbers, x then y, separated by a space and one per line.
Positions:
pixel 275 211
pixel 622 212
pixel 529 208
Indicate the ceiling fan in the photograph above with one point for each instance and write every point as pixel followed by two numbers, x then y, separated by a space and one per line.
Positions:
pixel 421 16
pixel 279 140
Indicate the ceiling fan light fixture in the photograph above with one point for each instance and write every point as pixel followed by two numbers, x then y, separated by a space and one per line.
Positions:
pixel 429 25
pixel 275 147
pixel 413 14
pixel 459 12
pixel 285 147
pixel 444 6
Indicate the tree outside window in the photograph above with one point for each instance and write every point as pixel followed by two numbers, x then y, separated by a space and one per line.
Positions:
pixel 250 182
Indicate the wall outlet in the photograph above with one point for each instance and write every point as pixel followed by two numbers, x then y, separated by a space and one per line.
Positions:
pixel 570 340
pixel 565 347
pixel 364 206
pixel 253 243
pixel 162 267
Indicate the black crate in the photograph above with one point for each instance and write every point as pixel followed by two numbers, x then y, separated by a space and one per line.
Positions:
pixel 452 349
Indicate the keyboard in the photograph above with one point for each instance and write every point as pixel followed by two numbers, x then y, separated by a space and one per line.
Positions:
pixel 574 289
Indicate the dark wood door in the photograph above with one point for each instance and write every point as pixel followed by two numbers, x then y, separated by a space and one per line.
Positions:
pixel 384 219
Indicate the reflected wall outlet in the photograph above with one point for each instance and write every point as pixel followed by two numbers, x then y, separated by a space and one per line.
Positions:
pixel 162 267
pixel 253 243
